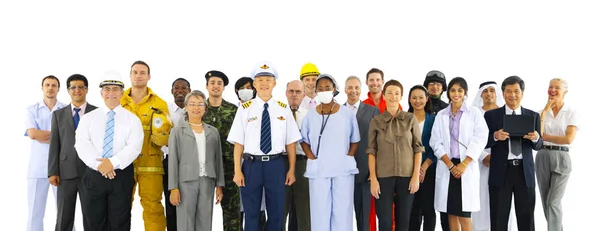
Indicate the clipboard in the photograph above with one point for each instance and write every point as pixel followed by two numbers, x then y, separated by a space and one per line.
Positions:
pixel 519 125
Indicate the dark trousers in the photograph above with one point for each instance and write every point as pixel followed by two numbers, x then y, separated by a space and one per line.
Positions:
pixel 169 208
pixel 362 204
pixel 422 209
pixel 501 201
pixel 107 203
pixel 402 201
pixel 269 175
pixel 262 222
pixel 297 199
pixel 67 199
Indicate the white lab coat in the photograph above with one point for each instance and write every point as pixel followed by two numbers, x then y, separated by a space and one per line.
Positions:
pixel 474 134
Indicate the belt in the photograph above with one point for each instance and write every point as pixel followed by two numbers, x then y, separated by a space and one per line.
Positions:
pixel 514 162
pixel 557 148
pixel 247 156
pixel 298 157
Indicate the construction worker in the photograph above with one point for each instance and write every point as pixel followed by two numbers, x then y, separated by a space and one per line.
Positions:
pixel 153 112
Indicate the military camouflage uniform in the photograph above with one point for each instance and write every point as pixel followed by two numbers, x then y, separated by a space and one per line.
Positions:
pixel 222 118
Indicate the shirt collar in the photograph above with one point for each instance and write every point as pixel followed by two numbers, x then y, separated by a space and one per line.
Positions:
pixel 117 109
pixel 82 107
pixel 510 111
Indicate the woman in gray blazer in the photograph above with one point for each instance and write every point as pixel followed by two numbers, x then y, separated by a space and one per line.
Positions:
pixel 195 166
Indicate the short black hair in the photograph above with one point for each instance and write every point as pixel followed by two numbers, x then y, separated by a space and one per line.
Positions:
pixel 182 79
pixel 51 77
pixel 241 82
pixel 77 77
pixel 512 80
pixel 427 106
pixel 461 82
pixel 141 63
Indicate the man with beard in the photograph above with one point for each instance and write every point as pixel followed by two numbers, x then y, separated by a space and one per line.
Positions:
pixel 220 114
pixel 180 88
pixel 37 126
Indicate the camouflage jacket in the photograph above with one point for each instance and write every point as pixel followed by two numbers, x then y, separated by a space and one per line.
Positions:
pixel 222 118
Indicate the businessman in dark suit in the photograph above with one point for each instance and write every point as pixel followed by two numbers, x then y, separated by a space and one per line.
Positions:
pixel 65 169
pixel 512 168
pixel 364 113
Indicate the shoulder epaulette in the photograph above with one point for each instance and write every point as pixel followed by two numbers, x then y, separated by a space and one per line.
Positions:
pixel 283 105
pixel 247 104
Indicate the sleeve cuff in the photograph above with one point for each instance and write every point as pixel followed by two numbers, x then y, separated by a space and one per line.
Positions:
pixel 116 163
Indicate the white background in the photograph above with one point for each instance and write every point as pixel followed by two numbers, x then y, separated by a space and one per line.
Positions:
pixel 475 40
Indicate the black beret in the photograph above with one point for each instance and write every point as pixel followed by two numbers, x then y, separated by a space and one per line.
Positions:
pixel 217 74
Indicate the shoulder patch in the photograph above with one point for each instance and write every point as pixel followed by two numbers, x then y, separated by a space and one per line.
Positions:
pixel 247 104
pixel 283 105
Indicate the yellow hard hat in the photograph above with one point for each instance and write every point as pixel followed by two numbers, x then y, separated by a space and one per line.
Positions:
pixel 308 70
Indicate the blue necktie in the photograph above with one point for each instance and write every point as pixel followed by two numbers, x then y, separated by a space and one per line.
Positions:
pixel 109 133
pixel 265 131
pixel 76 117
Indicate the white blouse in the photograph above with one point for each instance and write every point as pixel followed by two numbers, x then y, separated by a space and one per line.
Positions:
pixel 201 144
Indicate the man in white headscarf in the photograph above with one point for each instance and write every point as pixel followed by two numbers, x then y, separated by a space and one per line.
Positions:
pixel 486 101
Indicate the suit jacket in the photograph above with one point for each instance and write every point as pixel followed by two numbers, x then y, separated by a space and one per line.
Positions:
pixel 63 160
pixel 183 155
pixel 499 149
pixel 364 115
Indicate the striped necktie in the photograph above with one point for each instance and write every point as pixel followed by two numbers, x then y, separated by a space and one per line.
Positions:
pixel 109 133
pixel 265 131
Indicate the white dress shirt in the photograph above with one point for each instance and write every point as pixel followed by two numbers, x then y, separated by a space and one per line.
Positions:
pixel 175 113
pixel 201 146
pixel 246 126
pixel 353 107
pixel 127 141
pixel 557 125
pixel 306 102
pixel 300 114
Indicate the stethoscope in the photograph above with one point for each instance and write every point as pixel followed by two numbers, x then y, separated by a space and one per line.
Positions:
pixel 323 124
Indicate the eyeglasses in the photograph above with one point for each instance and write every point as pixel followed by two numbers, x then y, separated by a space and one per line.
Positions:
pixel 297 92
pixel 196 105
pixel 73 88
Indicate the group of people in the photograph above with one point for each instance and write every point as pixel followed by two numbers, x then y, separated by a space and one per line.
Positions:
pixel 310 161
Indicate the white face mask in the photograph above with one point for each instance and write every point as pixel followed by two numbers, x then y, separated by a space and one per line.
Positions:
pixel 325 96
pixel 246 94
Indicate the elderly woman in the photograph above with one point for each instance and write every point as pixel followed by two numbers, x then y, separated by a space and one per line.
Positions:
pixel 394 159
pixel 330 138
pixel 195 166
pixel 422 207
pixel 458 137
pixel 553 163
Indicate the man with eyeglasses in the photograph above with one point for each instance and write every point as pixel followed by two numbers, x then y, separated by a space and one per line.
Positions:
pixel 108 140
pixel 37 126
pixel 153 112
pixel 297 201
pixel 180 88
pixel 65 169
pixel 220 114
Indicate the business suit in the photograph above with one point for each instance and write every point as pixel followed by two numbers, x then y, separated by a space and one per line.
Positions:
pixel 64 162
pixel 197 192
pixel 362 188
pixel 507 178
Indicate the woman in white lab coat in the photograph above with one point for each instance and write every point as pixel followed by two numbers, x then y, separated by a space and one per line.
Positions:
pixel 458 137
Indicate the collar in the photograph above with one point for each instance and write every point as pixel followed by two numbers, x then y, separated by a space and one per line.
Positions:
pixel 387 116
pixel 509 111
pixel 356 105
pixel 82 107
pixel 127 98
pixel 370 97
pixel 448 111
pixel 117 109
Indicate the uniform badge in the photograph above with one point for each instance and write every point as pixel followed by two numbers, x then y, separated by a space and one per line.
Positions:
pixel 264 66
pixel 280 118
pixel 252 119
pixel 158 122
pixel 283 105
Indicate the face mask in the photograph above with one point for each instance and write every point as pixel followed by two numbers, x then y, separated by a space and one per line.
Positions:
pixel 246 94
pixel 325 96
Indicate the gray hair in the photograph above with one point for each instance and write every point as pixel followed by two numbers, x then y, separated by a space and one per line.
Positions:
pixel 351 78
pixel 564 83
pixel 195 93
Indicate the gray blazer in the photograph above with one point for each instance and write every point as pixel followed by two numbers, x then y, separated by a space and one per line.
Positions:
pixel 364 115
pixel 183 155
pixel 63 160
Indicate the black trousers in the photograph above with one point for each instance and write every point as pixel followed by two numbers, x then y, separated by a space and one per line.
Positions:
pixel 403 203
pixel 169 208
pixel 107 203
pixel 67 199
pixel 501 201
pixel 422 208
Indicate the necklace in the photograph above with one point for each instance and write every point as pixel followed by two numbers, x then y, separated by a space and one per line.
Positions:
pixel 195 125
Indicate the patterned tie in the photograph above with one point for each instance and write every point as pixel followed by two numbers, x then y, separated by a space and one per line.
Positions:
pixel 265 131
pixel 109 133
pixel 515 143
pixel 76 117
